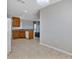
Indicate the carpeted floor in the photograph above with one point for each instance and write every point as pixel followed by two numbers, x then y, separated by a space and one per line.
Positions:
pixel 31 49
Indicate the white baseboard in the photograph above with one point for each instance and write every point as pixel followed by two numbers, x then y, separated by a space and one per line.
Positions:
pixel 60 50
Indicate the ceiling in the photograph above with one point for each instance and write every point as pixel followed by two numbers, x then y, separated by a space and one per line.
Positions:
pixel 31 8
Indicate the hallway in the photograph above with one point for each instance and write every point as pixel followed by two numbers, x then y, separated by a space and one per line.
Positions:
pixel 31 49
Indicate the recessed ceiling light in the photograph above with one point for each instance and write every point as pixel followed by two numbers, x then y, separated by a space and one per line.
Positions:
pixel 25 11
pixel 43 2
pixel 22 1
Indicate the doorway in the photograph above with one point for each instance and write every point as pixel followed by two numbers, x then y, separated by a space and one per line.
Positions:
pixel 36 26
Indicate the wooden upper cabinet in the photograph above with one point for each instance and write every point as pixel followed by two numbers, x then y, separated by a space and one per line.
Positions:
pixel 15 22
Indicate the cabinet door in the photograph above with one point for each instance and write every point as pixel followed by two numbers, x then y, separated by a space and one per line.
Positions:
pixel 21 34
pixel 15 22
pixel 31 35
pixel 15 34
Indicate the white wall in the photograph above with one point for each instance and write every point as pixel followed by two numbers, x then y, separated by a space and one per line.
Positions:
pixel 9 35
pixel 56 25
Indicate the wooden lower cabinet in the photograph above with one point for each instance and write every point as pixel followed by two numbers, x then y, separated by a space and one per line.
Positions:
pixel 31 36
pixel 18 34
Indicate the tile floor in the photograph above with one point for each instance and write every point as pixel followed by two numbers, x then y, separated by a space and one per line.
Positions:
pixel 31 49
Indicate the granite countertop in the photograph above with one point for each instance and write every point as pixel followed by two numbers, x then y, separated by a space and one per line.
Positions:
pixel 18 28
